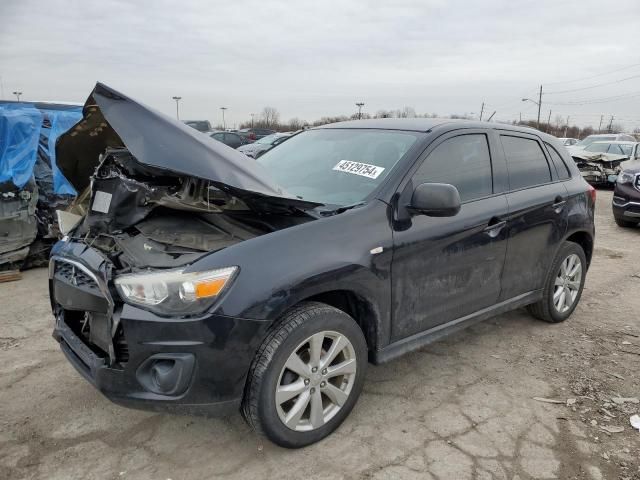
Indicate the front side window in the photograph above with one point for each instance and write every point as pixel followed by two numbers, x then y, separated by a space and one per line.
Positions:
pixel 526 163
pixel 336 166
pixel 463 162
pixel 625 149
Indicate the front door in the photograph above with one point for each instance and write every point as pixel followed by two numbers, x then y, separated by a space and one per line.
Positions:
pixel 448 267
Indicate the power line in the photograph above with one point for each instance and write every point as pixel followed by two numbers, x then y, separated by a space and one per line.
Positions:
pixel 594 76
pixel 593 86
pixel 589 101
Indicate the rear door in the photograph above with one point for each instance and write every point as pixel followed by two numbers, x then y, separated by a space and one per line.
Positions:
pixel 448 267
pixel 537 219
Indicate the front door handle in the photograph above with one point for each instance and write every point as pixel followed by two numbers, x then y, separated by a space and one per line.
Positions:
pixel 494 226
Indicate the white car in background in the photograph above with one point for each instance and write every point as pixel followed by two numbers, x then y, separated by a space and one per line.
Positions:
pixel 601 137
pixel 628 149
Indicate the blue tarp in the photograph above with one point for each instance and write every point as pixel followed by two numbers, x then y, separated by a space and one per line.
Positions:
pixel 24 126
pixel 61 121
pixel 20 126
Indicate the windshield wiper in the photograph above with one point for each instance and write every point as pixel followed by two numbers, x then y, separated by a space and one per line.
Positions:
pixel 340 209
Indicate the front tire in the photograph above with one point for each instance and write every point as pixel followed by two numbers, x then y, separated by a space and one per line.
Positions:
pixel 306 376
pixel 563 286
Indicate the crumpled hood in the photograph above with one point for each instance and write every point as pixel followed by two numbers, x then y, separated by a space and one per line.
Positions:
pixel 598 157
pixel 111 119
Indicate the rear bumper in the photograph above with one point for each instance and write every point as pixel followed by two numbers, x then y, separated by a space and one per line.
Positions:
pixel 212 353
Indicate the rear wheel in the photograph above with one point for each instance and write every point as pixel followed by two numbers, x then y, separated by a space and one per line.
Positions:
pixel 306 376
pixel 625 223
pixel 563 286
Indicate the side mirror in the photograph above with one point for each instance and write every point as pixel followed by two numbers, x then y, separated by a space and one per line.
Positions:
pixel 435 200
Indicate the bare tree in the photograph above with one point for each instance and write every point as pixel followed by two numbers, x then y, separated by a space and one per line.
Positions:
pixel 296 124
pixel 407 112
pixel 270 117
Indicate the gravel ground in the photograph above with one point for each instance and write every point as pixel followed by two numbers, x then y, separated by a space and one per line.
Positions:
pixel 462 408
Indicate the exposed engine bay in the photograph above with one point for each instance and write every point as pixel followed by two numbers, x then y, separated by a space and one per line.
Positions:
pixel 147 217
pixel 159 194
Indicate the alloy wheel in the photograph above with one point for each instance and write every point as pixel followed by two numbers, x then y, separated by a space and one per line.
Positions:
pixel 567 283
pixel 316 381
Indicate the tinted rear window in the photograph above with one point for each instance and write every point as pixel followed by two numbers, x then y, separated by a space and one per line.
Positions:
pixel 526 162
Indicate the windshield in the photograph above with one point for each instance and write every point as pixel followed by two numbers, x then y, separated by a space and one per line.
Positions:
pixel 597 147
pixel 336 166
pixel 269 139
pixel 200 125
pixel 585 142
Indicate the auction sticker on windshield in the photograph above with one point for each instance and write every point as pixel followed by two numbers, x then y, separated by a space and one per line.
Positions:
pixel 357 168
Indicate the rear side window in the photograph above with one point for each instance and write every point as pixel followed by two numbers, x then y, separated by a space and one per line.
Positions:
pixel 462 161
pixel 526 162
pixel 561 167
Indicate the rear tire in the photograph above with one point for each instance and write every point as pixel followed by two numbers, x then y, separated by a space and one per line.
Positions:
pixel 561 284
pixel 625 223
pixel 306 376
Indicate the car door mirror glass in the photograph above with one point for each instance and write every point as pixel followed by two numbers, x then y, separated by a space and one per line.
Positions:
pixel 435 200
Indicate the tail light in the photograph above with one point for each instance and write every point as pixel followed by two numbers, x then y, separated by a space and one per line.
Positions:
pixel 252 136
pixel 592 194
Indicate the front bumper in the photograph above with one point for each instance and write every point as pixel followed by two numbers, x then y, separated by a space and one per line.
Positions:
pixel 214 352
pixel 626 202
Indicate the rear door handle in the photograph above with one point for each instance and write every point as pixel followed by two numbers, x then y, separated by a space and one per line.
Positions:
pixel 494 227
pixel 558 204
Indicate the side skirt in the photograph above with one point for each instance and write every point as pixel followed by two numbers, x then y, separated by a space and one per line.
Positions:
pixel 419 340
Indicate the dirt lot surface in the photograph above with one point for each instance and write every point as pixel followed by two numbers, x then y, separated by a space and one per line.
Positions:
pixel 462 408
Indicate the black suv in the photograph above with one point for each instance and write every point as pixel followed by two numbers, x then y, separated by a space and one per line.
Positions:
pixel 200 282
pixel 626 197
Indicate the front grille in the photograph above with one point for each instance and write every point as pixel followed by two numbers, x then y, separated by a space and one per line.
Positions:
pixel 633 208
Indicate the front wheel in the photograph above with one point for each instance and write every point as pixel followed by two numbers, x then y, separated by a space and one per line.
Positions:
pixel 563 286
pixel 306 376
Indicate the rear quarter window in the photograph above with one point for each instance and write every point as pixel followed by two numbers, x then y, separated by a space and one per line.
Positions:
pixel 556 158
pixel 526 163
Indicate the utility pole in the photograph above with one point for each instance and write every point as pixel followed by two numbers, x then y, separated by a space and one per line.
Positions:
pixel 520 117
pixel 610 124
pixel 17 94
pixel 481 111
pixel 359 105
pixel 539 106
pixel 549 123
pixel 489 119
pixel 538 103
pixel 224 125
pixel 177 99
pixel 567 126
pixel 252 119
pixel 600 125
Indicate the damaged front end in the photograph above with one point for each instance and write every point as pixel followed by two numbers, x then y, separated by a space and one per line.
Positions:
pixel 599 168
pixel 157 196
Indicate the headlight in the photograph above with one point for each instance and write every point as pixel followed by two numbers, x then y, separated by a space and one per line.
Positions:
pixel 625 178
pixel 171 292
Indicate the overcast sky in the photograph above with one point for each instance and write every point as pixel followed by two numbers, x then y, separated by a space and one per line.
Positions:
pixel 313 59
